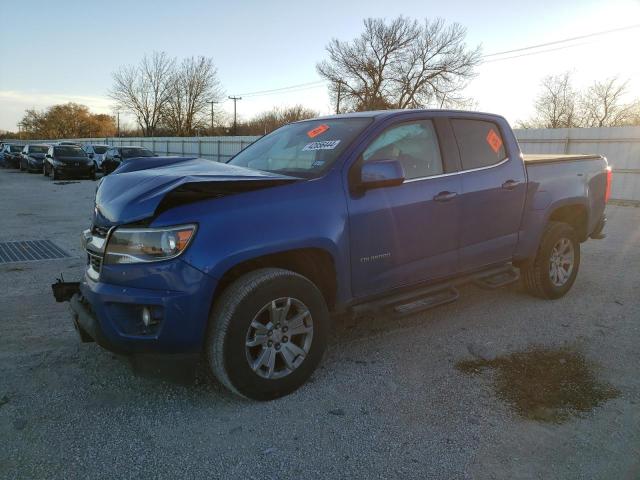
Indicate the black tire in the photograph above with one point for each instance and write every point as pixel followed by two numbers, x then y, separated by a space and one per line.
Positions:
pixel 53 174
pixel 230 321
pixel 45 171
pixel 536 272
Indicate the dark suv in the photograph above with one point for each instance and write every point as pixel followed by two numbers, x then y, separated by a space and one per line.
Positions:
pixel 116 155
pixel 69 161
pixel 12 154
pixel 32 158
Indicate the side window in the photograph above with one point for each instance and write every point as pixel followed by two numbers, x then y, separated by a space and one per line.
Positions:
pixel 480 143
pixel 413 144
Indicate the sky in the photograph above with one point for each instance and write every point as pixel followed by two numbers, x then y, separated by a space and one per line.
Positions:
pixel 65 50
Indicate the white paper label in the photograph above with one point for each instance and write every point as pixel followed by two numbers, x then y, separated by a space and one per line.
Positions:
pixel 325 145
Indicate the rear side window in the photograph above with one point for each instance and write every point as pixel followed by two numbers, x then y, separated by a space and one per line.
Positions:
pixel 480 143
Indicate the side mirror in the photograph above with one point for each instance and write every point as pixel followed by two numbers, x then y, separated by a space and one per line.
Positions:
pixel 117 156
pixel 91 155
pixel 381 173
pixel 48 155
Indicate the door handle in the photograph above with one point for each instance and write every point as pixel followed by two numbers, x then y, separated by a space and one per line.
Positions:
pixel 510 184
pixel 445 196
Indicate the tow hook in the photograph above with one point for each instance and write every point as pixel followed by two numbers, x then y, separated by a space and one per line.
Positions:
pixel 63 291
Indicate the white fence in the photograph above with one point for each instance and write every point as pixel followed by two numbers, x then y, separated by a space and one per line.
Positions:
pixel 621 146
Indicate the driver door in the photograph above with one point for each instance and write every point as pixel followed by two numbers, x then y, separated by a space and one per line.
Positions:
pixel 406 234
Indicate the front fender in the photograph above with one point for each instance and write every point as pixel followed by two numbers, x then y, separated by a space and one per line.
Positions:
pixel 244 226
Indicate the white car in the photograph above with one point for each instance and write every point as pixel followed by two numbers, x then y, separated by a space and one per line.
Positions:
pixel 96 153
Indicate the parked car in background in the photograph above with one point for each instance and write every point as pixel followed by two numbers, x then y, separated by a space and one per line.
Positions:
pixel 12 154
pixel 373 211
pixel 76 144
pixel 116 155
pixel 32 157
pixel 96 153
pixel 68 161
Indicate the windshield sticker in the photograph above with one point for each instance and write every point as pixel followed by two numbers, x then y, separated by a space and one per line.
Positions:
pixel 326 145
pixel 319 130
pixel 494 140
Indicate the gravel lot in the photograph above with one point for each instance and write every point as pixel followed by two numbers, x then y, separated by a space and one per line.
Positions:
pixel 387 402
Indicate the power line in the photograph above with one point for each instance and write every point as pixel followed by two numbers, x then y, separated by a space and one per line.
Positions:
pixel 580 37
pixel 276 90
pixel 536 53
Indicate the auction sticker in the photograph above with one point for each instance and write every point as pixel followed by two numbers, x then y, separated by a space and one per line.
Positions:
pixel 325 145
pixel 494 140
pixel 320 129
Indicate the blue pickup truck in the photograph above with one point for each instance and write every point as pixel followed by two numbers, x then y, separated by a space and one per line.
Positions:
pixel 390 211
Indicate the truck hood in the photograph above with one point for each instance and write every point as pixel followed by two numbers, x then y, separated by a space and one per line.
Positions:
pixel 138 194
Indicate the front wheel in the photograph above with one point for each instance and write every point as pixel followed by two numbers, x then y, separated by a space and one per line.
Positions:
pixel 267 333
pixel 553 271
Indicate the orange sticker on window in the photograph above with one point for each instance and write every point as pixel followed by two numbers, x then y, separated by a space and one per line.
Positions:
pixel 494 140
pixel 320 129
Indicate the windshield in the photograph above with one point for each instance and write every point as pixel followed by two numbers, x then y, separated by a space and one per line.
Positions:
pixel 69 151
pixel 38 149
pixel 99 150
pixel 135 152
pixel 304 149
pixel 15 148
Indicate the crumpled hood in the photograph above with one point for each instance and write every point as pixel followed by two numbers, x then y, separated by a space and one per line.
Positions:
pixel 133 195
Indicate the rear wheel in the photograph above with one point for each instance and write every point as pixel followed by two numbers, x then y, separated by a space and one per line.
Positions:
pixel 553 271
pixel 54 175
pixel 267 333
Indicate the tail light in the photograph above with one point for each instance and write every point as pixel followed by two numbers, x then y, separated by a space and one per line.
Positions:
pixel 607 191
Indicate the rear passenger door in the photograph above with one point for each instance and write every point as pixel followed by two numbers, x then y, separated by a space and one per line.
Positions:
pixel 493 193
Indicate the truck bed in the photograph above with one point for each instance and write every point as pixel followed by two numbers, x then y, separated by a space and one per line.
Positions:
pixel 556 157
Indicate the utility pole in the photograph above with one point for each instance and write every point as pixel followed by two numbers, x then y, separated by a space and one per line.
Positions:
pixel 235 118
pixel 338 97
pixel 212 102
pixel 118 124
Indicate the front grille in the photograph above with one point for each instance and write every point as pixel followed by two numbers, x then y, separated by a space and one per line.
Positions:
pixel 95 261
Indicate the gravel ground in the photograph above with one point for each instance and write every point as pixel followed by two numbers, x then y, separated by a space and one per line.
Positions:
pixel 387 402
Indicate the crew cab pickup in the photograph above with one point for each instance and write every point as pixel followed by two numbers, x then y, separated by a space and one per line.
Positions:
pixel 385 211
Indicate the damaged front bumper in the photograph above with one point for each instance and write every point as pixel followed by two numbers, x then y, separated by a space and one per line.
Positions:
pixel 170 316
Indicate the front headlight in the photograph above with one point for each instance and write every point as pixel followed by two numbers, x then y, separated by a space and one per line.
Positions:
pixel 142 245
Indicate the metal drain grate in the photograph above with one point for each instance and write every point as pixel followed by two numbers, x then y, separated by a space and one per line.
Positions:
pixel 30 251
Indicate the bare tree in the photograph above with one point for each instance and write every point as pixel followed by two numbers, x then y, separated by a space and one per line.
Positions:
pixel 603 105
pixel 399 64
pixel 192 87
pixel 145 89
pixel 268 121
pixel 557 105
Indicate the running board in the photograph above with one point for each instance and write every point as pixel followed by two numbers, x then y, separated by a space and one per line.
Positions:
pixel 497 280
pixel 440 297
pixel 414 300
